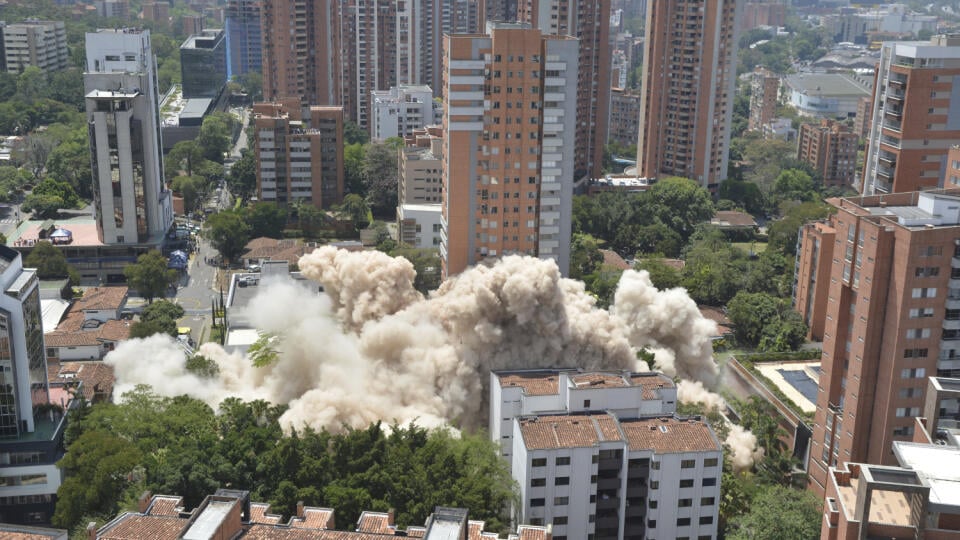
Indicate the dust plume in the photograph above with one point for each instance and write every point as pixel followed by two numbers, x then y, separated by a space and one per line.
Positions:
pixel 372 348
pixel 744 451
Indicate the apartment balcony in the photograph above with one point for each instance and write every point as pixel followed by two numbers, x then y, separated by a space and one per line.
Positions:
pixel 949 363
pixel 895 113
pixel 609 503
pixel 893 125
pixel 951 324
pixel 888 160
pixel 606 483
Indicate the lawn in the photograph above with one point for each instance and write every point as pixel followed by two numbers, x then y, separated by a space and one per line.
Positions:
pixel 751 248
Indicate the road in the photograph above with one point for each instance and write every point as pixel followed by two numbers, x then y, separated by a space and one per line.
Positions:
pixel 196 290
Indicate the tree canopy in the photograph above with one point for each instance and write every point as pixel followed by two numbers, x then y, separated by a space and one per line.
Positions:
pixel 182 446
pixel 50 263
pixel 228 232
pixel 149 275
pixel 779 512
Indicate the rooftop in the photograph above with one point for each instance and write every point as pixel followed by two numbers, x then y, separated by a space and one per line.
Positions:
pixel 568 431
pixel 939 467
pixel 102 298
pixel 827 84
pixel 666 435
pixel 26 532
pixel 797 380
pixel 546 382
pixel 730 218
pixel 97 378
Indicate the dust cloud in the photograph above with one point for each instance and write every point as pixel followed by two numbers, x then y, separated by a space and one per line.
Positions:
pixel 373 348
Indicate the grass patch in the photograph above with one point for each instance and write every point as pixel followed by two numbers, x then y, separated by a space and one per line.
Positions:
pixel 754 248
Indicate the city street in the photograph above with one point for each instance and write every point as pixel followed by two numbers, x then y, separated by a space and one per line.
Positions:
pixel 196 290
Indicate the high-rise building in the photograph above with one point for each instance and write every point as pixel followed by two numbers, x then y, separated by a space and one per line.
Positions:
pixel 301 57
pixel 883 277
pixel 831 149
pixel 861 122
pixel 500 10
pixel 421 167
pixel 299 153
pixel 244 40
pixel 132 203
pixel 203 64
pixel 157 12
pixel 401 110
pixel 192 24
pixel 589 22
pixel 764 97
pixel 35 43
pixel 689 77
pixel 624 127
pixel 119 9
pixel 602 455
pixel 915 117
pixel 31 431
pixel 508 99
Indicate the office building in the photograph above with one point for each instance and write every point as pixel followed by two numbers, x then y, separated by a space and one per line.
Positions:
pixel 861 122
pixel 880 274
pixel 865 25
pixel 300 59
pixel 132 203
pixel 764 13
pixel 826 95
pixel 601 455
pixel 203 64
pixel 401 110
pixel 244 40
pixel 689 78
pixel 119 9
pixel 764 98
pixel 192 24
pixel 508 166
pixel 624 125
pixel 831 149
pixel 31 429
pixel 914 115
pixel 589 22
pixel 229 513
pixel 299 153
pixel 42 44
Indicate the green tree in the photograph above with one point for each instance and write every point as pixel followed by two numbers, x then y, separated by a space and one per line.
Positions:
pixel 31 84
pixel 266 219
pixel 202 366
pixel 426 262
pixel 99 465
pixel 787 333
pixel 352 134
pixel 379 173
pixel 50 263
pixel 713 268
pixel 70 162
pixel 750 313
pixel 681 204
pixel 216 135
pixel 192 189
pixel 184 157
pixel 242 179
pixel 779 512
pixel 60 189
pixel 356 207
pixel 228 233
pixel 585 256
pixel 782 234
pixel 662 276
pixel 252 84
pixel 794 185
pixel 352 166
pixel 150 275
pixel 43 206
pixel 746 194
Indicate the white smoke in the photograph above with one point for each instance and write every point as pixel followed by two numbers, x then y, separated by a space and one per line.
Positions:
pixel 372 348
pixel 744 451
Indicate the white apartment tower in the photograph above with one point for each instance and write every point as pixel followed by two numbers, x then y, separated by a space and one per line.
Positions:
pixel 31 432
pixel 35 43
pixel 602 455
pixel 132 204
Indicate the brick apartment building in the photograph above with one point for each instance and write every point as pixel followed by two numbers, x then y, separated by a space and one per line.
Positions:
pixel 880 284
pixel 914 115
pixel 832 151
pixel 299 153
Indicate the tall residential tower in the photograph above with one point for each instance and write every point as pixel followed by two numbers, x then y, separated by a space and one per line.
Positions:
pixel 689 78
pixel 509 105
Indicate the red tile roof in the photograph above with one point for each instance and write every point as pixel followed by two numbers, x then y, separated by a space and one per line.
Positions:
pixel 731 218
pixel 138 527
pixel 612 258
pixel 566 431
pixel 530 532
pixel 97 378
pixel 71 333
pixel 375 522
pixel 165 505
pixel 669 435
pixel 258 514
pixel 315 518
pixel 101 298
pixel 544 383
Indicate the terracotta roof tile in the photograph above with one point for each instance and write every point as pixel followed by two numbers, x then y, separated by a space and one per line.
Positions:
pixel 651 384
pixel 138 527
pixel 731 218
pixel 98 298
pixel 165 505
pixel 271 532
pixel 5 535
pixel 70 334
pixel 275 250
pixel 544 383
pixel 612 258
pixel 98 378
pixel 530 532
pixel 669 435
pixel 258 514
pixel 416 532
pixel 474 530
pixel 566 431
pixel 374 522
pixel 315 518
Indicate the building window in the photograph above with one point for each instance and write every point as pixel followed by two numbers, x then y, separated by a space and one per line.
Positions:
pixel 915 353
pixel 683 522
pixel 586 403
pixel 684 503
pixel 710 462
pixel 560 520
pixel 707 501
pixel 924 292
pixel 709 481
pixel 651 524
pixel 706 520
pixel 537 502
pixel 913 373
pixel 688 464
pixel 918 333
pixel 686 483
pixel 561 501
pixel 562 481
pixel 538 482
pixel 654 484
pixel 539 462
pixel 563 461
